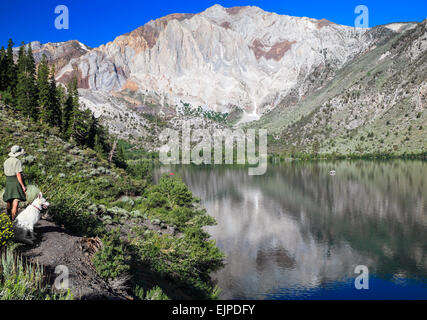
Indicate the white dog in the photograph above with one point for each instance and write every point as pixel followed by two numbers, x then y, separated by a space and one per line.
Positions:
pixel 24 223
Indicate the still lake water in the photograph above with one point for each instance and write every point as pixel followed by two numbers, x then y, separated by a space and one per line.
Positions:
pixel 299 233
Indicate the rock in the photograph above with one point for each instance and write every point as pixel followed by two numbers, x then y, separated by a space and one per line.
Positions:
pixel 216 48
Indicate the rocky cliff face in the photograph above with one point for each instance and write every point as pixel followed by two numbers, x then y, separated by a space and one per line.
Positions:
pixel 375 103
pixel 58 54
pixel 221 58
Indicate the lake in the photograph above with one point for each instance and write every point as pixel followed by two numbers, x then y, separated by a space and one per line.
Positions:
pixel 298 233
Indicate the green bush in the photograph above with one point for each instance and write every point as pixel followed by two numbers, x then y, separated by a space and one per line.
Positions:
pixel 174 190
pixel 180 216
pixel 141 170
pixel 155 293
pixel 72 212
pixel 187 261
pixel 156 200
pixel 6 230
pixel 112 259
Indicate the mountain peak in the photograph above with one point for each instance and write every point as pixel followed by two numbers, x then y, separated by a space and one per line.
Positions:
pixel 218 9
pixel 182 57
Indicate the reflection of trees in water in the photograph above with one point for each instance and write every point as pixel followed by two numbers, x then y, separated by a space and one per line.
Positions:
pixel 298 225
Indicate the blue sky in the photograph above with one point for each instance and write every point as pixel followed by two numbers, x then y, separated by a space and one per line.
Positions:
pixel 95 22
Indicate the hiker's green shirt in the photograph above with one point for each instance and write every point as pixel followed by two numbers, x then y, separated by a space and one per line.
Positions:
pixel 12 166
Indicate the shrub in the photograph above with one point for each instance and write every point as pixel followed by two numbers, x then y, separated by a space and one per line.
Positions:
pixel 187 261
pixel 156 294
pixel 180 216
pixel 111 260
pixel 141 170
pixel 156 200
pixel 174 190
pixel 6 230
pixel 125 202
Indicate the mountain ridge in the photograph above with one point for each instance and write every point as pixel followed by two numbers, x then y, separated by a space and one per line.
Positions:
pixel 375 104
pixel 231 47
pixel 261 67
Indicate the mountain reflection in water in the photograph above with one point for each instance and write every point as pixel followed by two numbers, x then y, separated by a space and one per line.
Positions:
pixel 297 229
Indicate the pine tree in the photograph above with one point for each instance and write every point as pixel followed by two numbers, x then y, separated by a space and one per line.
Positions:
pixel 62 97
pixel 78 122
pixel 67 111
pixel 39 96
pixel 44 97
pixel 2 69
pixel 99 145
pixel 92 136
pixel 80 127
pixel 10 71
pixel 119 157
pixel 97 139
pixel 75 92
pixel 71 101
pixel 55 100
pixel 21 87
pixel 21 59
pixel 32 87
pixel 26 89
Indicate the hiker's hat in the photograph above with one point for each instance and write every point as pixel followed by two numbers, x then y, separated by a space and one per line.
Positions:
pixel 16 151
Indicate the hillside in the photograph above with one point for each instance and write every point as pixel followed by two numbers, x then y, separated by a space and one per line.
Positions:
pixel 145 240
pixel 375 104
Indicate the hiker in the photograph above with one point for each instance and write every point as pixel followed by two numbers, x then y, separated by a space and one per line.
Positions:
pixel 15 190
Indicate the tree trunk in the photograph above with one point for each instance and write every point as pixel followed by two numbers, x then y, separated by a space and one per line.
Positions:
pixel 113 150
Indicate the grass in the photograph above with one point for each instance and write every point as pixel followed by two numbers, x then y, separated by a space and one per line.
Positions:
pixel 21 280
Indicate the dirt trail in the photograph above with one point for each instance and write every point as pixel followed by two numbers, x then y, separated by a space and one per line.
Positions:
pixel 55 246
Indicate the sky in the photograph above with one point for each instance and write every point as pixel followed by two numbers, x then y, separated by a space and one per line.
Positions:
pixel 96 22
